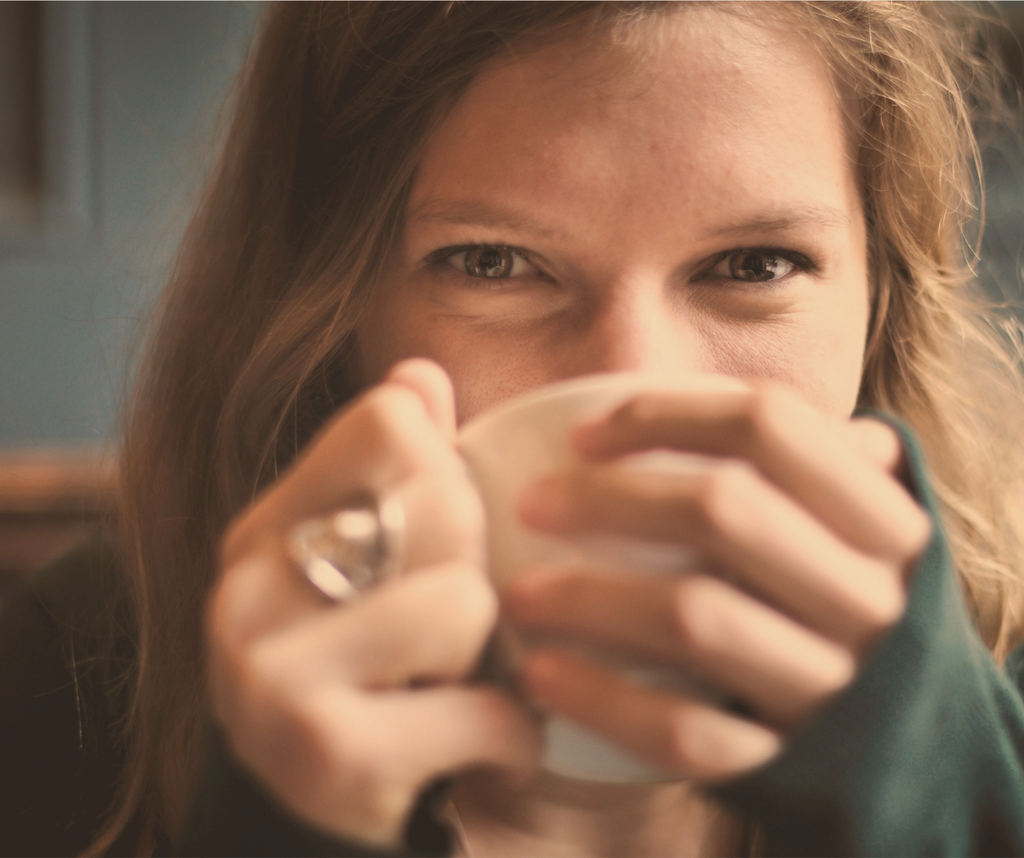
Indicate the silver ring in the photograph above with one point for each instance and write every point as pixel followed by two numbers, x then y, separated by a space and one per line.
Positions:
pixel 351 549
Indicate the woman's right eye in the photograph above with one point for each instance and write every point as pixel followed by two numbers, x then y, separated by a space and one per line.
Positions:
pixel 486 261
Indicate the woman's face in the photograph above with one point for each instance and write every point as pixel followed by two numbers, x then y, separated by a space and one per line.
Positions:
pixel 590 209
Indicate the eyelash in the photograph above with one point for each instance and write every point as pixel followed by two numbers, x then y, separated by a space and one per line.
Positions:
pixel 441 256
pixel 801 263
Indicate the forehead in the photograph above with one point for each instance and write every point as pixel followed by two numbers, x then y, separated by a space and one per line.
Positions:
pixel 705 109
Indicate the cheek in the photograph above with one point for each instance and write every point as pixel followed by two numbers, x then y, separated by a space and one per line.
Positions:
pixel 817 350
pixel 844 355
pixel 845 339
pixel 384 336
pixel 832 359
pixel 824 356
pixel 830 369
pixel 485 368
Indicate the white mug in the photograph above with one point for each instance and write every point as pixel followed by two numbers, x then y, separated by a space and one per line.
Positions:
pixel 524 439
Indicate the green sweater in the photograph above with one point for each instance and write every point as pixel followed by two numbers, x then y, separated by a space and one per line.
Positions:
pixel 922 755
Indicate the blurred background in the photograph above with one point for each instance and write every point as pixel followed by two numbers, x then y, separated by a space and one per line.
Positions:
pixel 108 112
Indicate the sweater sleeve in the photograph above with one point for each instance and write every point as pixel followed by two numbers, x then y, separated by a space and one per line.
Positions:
pixel 66 662
pixel 233 814
pixel 922 755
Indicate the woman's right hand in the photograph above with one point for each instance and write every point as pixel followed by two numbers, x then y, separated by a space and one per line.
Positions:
pixel 346 713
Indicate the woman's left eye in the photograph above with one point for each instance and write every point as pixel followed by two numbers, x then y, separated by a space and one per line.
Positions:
pixel 486 261
pixel 757 266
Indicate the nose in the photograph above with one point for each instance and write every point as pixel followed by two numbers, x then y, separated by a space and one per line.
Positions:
pixel 637 326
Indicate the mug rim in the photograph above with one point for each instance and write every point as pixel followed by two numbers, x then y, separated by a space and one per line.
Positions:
pixel 642 381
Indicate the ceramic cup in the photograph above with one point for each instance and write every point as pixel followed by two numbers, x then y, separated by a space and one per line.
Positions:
pixel 524 439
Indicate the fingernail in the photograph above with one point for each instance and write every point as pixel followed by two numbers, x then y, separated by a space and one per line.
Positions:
pixel 586 437
pixel 542 503
pixel 541 674
pixel 524 592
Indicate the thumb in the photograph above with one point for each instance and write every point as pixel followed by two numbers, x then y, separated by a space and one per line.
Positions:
pixel 431 383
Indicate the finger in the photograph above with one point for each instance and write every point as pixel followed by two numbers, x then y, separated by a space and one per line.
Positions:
pixel 356 762
pixel 425 628
pixel 879 443
pixel 451 728
pixel 444 521
pixel 431 383
pixel 382 441
pixel 743 526
pixel 260 594
pixel 667 730
pixel 783 670
pixel 793 445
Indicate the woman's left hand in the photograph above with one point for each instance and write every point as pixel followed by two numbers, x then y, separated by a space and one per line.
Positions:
pixel 808 538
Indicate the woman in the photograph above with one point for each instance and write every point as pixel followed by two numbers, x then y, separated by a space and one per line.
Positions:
pixel 522 193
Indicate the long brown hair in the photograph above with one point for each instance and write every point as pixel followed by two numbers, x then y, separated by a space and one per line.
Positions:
pixel 252 347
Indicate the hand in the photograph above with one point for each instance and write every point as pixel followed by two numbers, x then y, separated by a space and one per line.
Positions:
pixel 808 538
pixel 346 712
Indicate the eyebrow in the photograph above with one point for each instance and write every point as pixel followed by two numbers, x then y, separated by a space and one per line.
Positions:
pixel 480 213
pixel 786 219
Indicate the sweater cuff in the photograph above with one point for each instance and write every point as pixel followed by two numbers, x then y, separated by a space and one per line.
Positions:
pixel 233 814
pixel 893 765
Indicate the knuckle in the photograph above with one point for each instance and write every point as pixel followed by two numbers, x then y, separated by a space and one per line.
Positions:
pixel 918 532
pixel 888 606
pixel 337 763
pixel 391 418
pixel 311 734
pixel 841 671
pixel 359 764
pixel 446 522
pixel 578 483
pixel 471 597
pixel 719 494
pixel 462 509
pixel 883 604
pixel 638 410
pixel 579 493
pixel 763 417
pixel 359 772
pixel 302 715
pixel 686 742
pixel 893 604
pixel 228 625
pixel 263 668
pixel 320 746
pixel 701 747
pixel 382 802
pixel 245 694
pixel 498 709
pixel 245 534
pixel 696 615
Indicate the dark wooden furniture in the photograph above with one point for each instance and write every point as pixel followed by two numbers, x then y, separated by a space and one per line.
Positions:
pixel 50 500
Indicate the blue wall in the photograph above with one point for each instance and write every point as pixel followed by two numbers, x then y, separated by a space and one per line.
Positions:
pixel 148 83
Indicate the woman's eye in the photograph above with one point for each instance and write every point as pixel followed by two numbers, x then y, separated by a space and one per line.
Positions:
pixel 754 266
pixel 489 261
